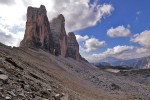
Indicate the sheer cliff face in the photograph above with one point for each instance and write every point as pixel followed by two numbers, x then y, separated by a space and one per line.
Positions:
pixel 57 26
pixel 72 46
pixel 37 33
pixel 50 36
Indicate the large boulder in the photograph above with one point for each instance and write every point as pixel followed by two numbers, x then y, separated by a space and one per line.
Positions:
pixel 37 33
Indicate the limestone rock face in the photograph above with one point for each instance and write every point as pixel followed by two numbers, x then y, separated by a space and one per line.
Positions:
pixel 50 36
pixel 37 33
pixel 57 26
pixel 72 46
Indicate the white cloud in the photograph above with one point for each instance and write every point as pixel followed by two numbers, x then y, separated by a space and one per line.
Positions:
pixel 141 50
pixel 81 38
pixel 88 44
pixel 4 37
pixel 9 38
pixel 138 53
pixel 116 51
pixel 119 31
pixel 143 39
pixel 120 52
pixel 92 44
pixel 79 14
pixel 7 2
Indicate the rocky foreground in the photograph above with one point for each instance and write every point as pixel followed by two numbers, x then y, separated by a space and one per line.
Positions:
pixel 27 74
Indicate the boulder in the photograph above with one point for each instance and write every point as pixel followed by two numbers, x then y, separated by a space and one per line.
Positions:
pixel 3 77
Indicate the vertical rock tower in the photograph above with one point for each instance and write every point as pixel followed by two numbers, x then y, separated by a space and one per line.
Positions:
pixel 50 36
pixel 72 46
pixel 57 26
pixel 37 32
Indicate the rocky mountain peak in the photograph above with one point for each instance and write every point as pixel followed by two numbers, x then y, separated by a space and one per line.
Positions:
pixel 37 29
pixel 42 7
pixel 50 36
pixel 61 17
pixel 72 46
pixel 32 12
pixel 57 26
pixel 72 35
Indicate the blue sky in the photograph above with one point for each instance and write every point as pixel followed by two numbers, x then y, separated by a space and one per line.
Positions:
pixel 103 28
pixel 129 13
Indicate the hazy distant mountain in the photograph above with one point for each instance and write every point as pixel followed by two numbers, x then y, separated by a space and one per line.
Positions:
pixel 129 63
pixel 141 63
pixel 110 60
pixel 102 64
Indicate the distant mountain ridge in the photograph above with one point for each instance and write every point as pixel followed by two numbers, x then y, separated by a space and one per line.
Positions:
pixel 140 63
pixel 143 62
pixel 110 60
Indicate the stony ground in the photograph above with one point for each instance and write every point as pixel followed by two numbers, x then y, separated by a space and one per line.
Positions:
pixel 31 74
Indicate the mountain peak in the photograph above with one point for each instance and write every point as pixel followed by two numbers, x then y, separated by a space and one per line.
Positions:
pixel 71 34
pixel 42 7
pixel 50 36
pixel 73 46
pixel 61 16
pixel 37 29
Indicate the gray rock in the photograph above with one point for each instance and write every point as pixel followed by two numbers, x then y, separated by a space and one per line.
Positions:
pixel 22 94
pixel 49 90
pixel 44 99
pixel 64 97
pixel 3 77
pixel 57 26
pixel 8 98
pixel 1 71
pixel 57 96
pixel 37 29
pixel 72 46
pixel 11 93
pixel 50 36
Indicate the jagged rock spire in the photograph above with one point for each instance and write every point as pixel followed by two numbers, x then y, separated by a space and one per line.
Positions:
pixel 37 29
pixel 72 46
pixel 57 26
pixel 50 36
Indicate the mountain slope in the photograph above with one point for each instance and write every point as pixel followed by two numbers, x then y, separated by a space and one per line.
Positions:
pixel 44 69
pixel 36 74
